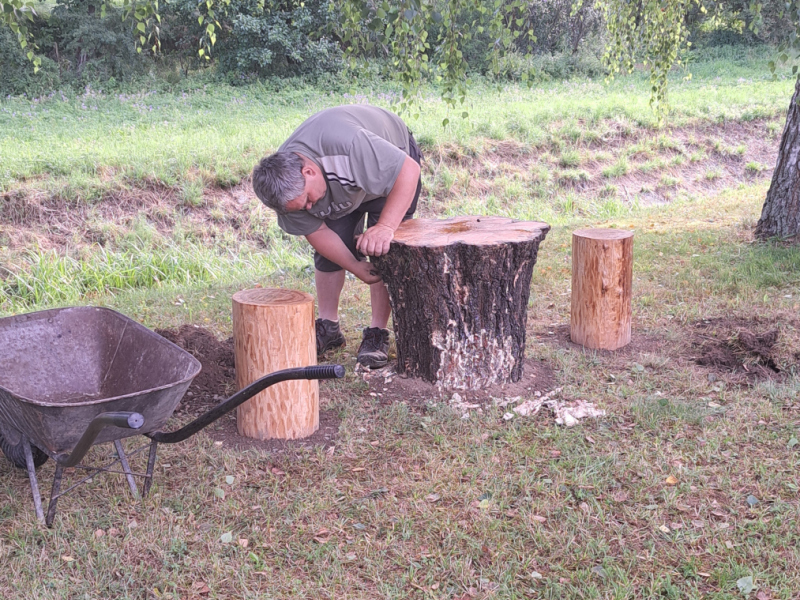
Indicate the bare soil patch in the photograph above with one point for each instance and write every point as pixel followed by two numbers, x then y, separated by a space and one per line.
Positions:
pixel 217 382
pixel 745 350
pixel 641 342
pixel 389 387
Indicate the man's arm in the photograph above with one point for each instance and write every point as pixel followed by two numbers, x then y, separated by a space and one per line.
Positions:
pixel 375 240
pixel 329 245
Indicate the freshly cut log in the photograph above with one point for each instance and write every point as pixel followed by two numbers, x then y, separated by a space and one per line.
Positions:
pixel 273 329
pixel 459 290
pixel 602 274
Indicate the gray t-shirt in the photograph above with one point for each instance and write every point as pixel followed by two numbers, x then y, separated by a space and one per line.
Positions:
pixel 360 150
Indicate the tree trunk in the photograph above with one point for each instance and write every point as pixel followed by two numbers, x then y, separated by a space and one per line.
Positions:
pixel 273 329
pixel 602 275
pixel 459 290
pixel 780 216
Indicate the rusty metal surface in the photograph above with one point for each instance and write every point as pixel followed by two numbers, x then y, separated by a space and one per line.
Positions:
pixel 60 368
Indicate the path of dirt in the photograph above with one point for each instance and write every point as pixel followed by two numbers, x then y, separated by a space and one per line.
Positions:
pixel 712 157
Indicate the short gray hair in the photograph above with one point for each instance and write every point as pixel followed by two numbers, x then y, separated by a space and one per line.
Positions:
pixel 278 179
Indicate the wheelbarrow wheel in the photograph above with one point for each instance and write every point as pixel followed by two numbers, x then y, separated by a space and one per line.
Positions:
pixel 16 454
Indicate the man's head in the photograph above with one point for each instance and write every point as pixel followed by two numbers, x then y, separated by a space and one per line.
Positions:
pixel 287 182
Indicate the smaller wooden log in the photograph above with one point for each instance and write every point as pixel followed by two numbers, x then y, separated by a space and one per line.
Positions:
pixel 602 275
pixel 273 329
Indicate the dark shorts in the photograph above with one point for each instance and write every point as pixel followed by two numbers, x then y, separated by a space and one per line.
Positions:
pixel 351 225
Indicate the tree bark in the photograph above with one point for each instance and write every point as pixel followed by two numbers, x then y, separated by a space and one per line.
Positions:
pixel 459 290
pixel 780 216
pixel 273 329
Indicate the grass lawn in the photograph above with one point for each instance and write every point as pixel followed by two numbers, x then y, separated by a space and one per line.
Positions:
pixel 685 489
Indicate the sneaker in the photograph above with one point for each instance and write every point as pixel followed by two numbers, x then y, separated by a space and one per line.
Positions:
pixel 328 335
pixel 374 350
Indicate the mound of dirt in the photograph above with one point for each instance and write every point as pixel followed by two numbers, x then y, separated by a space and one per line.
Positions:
pixel 744 348
pixel 217 382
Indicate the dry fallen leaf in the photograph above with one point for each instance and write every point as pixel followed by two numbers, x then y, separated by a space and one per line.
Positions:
pixel 201 587
pixel 67 558
pixel 671 480
pixel 538 518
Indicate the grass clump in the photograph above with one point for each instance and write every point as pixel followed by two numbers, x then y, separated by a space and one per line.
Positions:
pixel 569 158
pixel 618 169
pixel 573 177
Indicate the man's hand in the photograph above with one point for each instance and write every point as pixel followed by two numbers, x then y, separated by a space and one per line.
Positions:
pixel 375 241
pixel 365 272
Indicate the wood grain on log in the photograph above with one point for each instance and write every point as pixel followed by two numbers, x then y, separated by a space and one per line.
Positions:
pixel 602 275
pixel 273 329
pixel 459 290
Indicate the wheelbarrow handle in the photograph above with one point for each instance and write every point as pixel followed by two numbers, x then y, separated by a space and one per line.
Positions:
pixel 242 396
pixel 126 420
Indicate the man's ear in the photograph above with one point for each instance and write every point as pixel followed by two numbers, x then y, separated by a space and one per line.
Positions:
pixel 307 170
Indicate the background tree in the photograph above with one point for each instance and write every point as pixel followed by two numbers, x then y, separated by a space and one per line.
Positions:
pixel 657 31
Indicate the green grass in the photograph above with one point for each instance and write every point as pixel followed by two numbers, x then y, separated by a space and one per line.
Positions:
pixel 93 141
pixel 524 508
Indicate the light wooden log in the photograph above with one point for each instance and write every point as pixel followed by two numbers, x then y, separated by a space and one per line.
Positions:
pixel 459 290
pixel 273 329
pixel 602 275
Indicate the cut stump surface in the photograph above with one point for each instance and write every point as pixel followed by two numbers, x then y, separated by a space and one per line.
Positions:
pixel 459 289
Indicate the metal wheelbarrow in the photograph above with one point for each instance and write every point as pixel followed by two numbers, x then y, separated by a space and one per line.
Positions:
pixel 71 378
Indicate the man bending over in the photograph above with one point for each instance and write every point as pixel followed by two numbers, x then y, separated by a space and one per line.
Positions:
pixel 339 165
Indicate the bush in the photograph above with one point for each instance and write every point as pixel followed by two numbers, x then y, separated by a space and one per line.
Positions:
pixel 284 39
pixel 16 71
pixel 90 48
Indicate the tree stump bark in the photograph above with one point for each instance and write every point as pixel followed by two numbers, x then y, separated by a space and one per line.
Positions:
pixel 602 275
pixel 273 329
pixel 780 215
pixel 459 290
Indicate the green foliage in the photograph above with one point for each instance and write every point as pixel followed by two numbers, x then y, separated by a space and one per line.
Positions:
pixel 400 31
pixel 17 15
pixel 653 31
pixel 91 44
pixel 16 75
pixel 254 39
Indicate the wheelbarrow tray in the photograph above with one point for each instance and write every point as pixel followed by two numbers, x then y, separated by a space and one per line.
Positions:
pixel 61 368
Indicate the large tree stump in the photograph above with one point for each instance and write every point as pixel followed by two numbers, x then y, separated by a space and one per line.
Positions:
pixel 273 329
pixel 602 275
pixel 459 290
